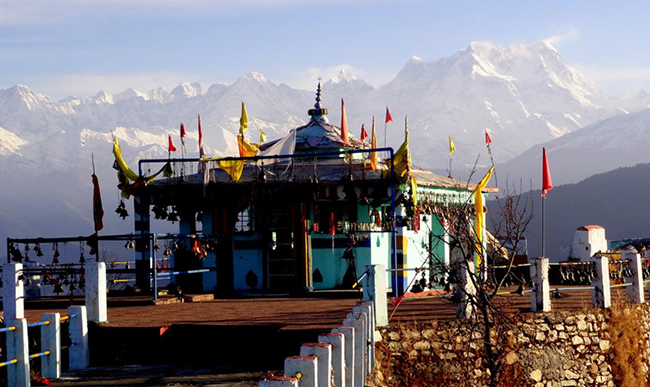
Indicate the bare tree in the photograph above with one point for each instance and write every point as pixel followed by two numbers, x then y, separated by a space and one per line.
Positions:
pixel 481 267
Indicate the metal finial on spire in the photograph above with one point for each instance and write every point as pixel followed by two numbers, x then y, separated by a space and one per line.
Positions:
pixel 318 98
pixel 319 112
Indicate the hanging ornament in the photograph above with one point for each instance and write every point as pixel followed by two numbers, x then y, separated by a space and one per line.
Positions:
pixel 37 248
pixel 55 258
pixel 121 210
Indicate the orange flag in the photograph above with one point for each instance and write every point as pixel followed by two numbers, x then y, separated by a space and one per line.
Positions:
pixel 373 145
pixel 344 124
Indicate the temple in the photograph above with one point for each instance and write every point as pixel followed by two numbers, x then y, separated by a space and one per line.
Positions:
pixel 305 212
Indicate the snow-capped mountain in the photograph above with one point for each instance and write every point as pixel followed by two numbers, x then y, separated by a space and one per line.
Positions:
pixel 524 94
pixel 606 145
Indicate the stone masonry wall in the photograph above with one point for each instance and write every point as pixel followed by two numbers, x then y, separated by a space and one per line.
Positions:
pixel 594 347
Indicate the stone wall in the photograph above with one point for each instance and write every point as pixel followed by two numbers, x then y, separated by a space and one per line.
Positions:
pixel 596 347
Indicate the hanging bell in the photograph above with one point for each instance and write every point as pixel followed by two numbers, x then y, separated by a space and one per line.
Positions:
pixel 82 259
pixel 156 247
pixel 173 216
pixel 39 252
pixel 55 258
pixel 167 252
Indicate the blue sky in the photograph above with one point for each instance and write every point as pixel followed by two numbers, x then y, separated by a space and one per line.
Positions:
pixel 75 47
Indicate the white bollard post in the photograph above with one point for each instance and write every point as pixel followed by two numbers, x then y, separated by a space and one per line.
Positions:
pixel 467 290
pixel 13 291
pixel 601 294
pixel 357 321
pixel 279 381
pixel 78 330
pixel 348 356
pixel 370 333
pixel 337 341
pixel 51 341
pixel 17 348
pixel 96 291
pixel 323 353
pixel 374 289
pixel 303 368
pixel 540 298
pixel 635 277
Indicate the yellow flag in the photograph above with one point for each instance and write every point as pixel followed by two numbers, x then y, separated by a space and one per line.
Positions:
pixel 452 148
pixel 479 223
pixel 373 145
pixel 246 149
pixel 262 137
pixel 243 121
pixel 402 158
pixel 234 168
pixel 117 151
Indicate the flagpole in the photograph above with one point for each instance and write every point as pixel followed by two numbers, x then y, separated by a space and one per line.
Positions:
pixel 543 227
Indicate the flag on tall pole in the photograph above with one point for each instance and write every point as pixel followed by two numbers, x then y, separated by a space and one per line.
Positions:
pixel 98 211
pixel 202 167
pixel 452 149
pixel 364 134
pixel 172 148
pixel 488 141
pixel 243 121
pixel 373 145
pixel 388 119
pixel 183 137
pixel 201 154
pixel 344 124
pixel 547 185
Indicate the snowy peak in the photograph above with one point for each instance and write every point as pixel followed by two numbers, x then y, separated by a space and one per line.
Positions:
pixel 343 76
pixel 129 94
pixel 186 90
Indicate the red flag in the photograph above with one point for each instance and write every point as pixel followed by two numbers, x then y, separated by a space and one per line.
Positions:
pixel 488 140
pixel 98 211
pixel 388 116
pixel 547 185
pixel 200 139
pixel 364 134
pixel 344 124
pixel 183 136
pixel 172 148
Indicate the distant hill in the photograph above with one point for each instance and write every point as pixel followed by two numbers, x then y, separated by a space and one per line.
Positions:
pixel 616 200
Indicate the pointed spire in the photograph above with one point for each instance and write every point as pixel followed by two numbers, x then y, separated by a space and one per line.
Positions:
pixel 319 113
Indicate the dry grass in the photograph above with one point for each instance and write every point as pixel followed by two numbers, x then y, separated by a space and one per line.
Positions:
pixel 628 344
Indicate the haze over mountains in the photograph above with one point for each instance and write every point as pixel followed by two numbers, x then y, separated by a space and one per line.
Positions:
pixel 526 95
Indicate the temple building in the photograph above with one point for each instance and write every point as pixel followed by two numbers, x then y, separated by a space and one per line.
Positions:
pixel 304 212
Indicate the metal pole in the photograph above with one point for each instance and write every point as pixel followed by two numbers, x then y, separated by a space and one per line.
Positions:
pixel 154 242
pixel 543 227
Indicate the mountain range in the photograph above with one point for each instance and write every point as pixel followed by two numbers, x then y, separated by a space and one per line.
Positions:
pixel 526 96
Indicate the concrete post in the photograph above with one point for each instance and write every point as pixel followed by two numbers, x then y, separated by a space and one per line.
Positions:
pixel 357 321
pixel 96 291
pixel 540 299
pixel 78 330
pixel 370 334
pixel 465 308
pixel 601 294
pixel 13 291
pixel 17 348
pixel 323 353
pixel 303 368
pixel 374 289
pixel 279 381
pixel 337 341
pixel 51 341
pixel 348 356
pixel 635 292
